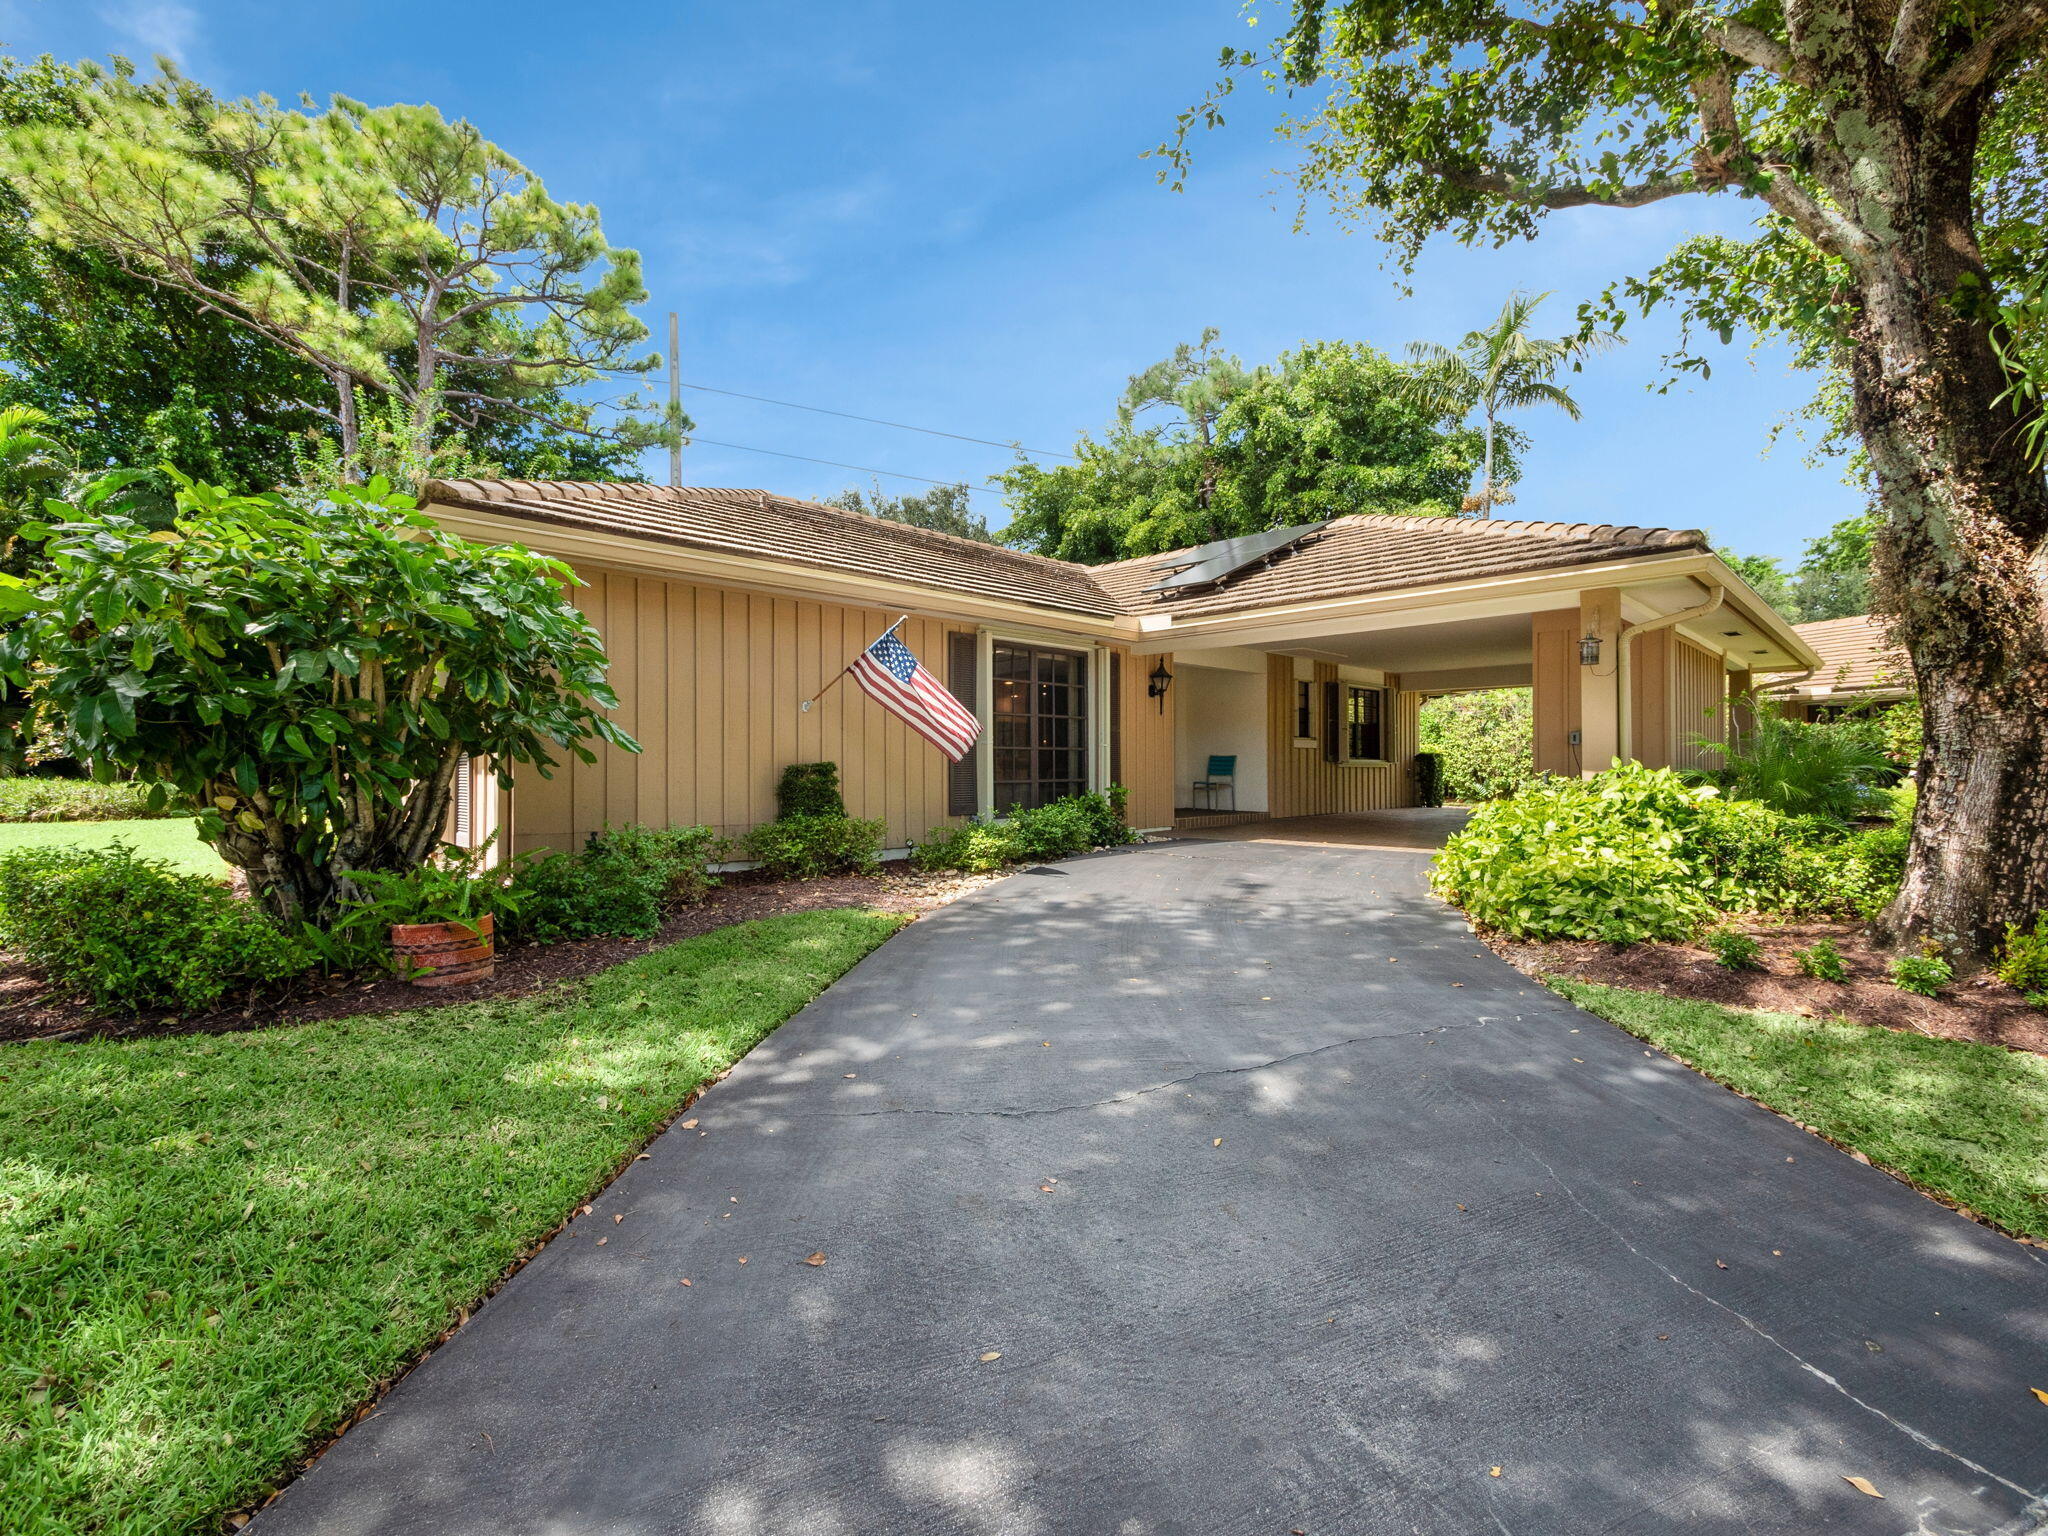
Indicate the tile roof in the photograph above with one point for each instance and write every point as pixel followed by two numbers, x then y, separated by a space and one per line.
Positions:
pixel 1354 556
pixel 1856 656
pixel 765 526
pixel 1375 552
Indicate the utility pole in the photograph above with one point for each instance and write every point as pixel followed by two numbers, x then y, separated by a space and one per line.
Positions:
pixel 675 396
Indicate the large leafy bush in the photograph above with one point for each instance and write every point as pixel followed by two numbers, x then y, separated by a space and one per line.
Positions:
pixel 131 933
pixel 1483 741
pixel 619 885
pixel 309 676
pixel 804 847
pixel 1641 853
pixel 1835 769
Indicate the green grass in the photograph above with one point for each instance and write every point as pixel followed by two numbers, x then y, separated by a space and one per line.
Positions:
pixel 213 1247
pixel 1968 1122
pixel 174 840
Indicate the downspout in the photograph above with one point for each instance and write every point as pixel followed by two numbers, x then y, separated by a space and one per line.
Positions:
pixel 1625 705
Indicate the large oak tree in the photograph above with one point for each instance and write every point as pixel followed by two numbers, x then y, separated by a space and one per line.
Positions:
pixel 1894 149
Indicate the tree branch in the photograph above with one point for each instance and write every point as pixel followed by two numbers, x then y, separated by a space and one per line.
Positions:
pixel 1912 38
pixel 1758 49
pixel 2013 31
pixel 1572 195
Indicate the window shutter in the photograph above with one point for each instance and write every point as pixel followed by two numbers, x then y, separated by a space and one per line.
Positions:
pixel 963 779
pixel 1333 722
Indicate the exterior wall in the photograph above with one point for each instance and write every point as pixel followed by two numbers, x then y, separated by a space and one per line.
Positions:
pixel 1554 689
pixel 710 681
pixel 1300 781
pixel 1222 710
pixel 1678 691
pixel 1145 743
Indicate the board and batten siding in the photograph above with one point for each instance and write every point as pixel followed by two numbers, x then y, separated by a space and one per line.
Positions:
pixel 1679 701
pixel 711 681
pixel 1301 781
pixel 1145 742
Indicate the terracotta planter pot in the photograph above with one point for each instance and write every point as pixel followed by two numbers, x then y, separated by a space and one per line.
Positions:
pixel 445 954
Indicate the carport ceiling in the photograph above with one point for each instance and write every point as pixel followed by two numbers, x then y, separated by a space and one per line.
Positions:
pixel 1493 642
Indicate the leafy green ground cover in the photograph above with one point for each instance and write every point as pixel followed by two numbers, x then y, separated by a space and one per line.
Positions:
pixel 1968 1122
pixel 176 840
pixel 213 1247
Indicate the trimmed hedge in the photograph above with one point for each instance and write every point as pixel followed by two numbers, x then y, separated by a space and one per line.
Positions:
pixel 81 800
pixel 130 933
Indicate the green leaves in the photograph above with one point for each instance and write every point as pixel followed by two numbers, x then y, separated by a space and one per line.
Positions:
pixel 307 672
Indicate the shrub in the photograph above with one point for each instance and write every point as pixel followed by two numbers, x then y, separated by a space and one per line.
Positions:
pixel 1429 778
pixel 1736 950
pixel 1581 859
pixel 82 800
pixel 580 896
pixel 2023 959
pixel 1483 741
pixel 1835 770
pixel 804 847
pixel 979 848
pixel 1822 961
pixel 1925 975
pixel 809 789
pixel 678 858
pixel 1073 824
pixel 131 933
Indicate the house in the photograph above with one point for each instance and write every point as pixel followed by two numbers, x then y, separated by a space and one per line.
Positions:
pixel 1303 654
pixel 1860 670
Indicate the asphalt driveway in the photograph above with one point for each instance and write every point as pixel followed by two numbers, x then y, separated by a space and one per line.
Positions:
pixel 1217 1188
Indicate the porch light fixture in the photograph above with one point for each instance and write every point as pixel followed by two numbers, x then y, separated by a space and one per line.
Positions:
pixel 1158 683
pixel 1589 651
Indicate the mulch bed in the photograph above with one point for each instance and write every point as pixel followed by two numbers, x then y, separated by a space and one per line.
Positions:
pixel 1980 1008
pixel 29 1010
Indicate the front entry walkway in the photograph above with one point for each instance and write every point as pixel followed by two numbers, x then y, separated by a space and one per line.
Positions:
pixel 1411 827
pixel 1222 1187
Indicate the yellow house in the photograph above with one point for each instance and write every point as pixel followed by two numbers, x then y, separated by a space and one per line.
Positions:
pixel 1300 656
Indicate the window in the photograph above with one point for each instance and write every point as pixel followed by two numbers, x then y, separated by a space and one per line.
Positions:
pixel 1304 712
pixel 1362 723
pixel 1041 725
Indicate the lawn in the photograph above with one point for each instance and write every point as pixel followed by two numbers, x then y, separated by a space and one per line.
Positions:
pixel 213 1247
pixel 165 838
pixel 1965 1121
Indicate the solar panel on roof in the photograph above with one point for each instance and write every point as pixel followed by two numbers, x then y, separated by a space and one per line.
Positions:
pixel 1206 564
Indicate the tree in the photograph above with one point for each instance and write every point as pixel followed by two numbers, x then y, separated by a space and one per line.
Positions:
pixel 1894 148
pixel 308 678
pixel 1198 382
pixel 1330 429
pixel 129 371
pixel 1500 368
pixel 1832 580
pixel 1767 578
pixel 943 509
pixel 389 250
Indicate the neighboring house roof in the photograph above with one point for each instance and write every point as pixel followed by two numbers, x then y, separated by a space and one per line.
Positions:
pixel 1856 656
pixel 773 527
pixel 1356 555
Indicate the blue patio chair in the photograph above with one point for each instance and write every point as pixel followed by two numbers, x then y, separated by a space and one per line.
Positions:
pixel 1222 775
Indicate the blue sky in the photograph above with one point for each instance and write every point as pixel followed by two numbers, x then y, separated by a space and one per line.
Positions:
pixel 936 213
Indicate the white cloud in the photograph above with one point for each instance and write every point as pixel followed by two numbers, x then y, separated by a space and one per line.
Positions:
pixel 154 27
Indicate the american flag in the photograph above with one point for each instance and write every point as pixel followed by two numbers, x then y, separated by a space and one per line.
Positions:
pixel 891 674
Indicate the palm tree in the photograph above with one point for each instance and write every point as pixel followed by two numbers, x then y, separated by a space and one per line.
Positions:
pixel 1502 368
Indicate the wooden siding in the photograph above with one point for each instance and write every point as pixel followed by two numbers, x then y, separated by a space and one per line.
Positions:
pixel 1147 745
pixel 1554 689
pixel 1678 692
pixel 710 681
pixel 1301 782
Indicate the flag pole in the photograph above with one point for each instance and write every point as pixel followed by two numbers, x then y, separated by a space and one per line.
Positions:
pixel 885 634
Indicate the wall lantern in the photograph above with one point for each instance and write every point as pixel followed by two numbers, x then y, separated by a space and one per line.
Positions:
pixel 1589 651
pixel 1158 683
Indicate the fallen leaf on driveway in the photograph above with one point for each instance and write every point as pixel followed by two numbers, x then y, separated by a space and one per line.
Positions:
pixel 994 1354
pixel 2039 1393
pixel 851 1074
pixel 1045 1189
pixel 1461 1207
pixel 743 1258
pixel 682 1282
pixel 815 1260
pixel 1719 1265
pixel 617 1218
pixel 602 1241
pixel 689 1125
pixel 643 1157
pixel 1493 1472
pixel 1863 1485
pixel 1217 1142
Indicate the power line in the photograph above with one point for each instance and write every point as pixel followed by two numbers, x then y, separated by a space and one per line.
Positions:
pixel 835 464
pixel 876 421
